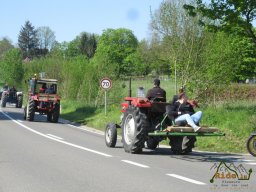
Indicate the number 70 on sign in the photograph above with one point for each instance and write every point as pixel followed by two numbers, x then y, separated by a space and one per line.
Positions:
pixel 106 83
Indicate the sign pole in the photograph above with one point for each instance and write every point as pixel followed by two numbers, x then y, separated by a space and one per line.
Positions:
pixel 105 102
pixel 106 84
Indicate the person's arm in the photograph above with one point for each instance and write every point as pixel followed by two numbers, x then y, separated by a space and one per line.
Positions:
pixel 191 110
pixel 149 94
pixel 172 111
pixel 164 95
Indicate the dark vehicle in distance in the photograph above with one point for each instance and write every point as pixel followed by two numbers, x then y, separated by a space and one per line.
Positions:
pixel 11 95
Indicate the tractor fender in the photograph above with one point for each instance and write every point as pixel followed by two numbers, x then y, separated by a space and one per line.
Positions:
pixel 5 93
pixel 136 102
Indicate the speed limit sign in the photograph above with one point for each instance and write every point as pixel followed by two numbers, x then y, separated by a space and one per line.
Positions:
pixel 106 83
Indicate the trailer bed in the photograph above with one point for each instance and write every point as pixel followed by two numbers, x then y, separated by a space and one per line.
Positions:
pixel 187 131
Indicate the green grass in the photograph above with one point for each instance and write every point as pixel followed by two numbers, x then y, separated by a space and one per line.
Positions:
pixel 237 120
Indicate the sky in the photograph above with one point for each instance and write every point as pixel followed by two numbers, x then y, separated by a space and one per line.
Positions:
pixel 68 18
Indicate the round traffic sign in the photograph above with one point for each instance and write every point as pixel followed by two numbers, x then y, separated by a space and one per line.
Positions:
pixel 106 83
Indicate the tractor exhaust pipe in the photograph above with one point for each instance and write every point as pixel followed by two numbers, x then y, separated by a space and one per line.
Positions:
pixel 130 89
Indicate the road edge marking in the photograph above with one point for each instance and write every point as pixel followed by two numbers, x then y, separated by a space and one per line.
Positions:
pixel 60 141
pixel 136 164
pixel 186 179
pixel 54 136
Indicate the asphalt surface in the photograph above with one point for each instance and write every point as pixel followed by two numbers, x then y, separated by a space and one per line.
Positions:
pixel 58 157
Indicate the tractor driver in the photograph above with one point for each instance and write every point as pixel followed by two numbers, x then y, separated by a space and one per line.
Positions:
pixel 157 92
pixel 13 92
pixel 43 88
pixel 50 90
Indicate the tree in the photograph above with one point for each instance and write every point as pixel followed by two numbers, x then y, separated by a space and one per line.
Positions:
pixel 228 15
pixel 88 44
pixel 46 38
pixel 83 44
pixel 113 51
pixel 5 45
pixel 178 38
pixel 11 70
pixel 28 40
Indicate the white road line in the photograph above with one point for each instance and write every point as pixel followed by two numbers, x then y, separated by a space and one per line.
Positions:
pixel 250 163
pixel 19 121
pixel 248 160
pixel 87 130
pixel 60 141
pixel 134 163
pixel 54 136
pixel 187 179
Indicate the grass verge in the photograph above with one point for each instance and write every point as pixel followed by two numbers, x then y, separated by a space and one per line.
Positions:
pixel 236 119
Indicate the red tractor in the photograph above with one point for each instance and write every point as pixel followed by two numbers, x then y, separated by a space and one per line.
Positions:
pixel 145 121
pixel 42 98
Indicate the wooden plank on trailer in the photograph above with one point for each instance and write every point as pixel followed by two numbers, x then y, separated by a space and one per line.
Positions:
pixel 203 129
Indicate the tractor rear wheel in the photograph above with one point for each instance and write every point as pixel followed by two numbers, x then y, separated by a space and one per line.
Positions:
pixel 4 99
pixel 30 110
pixel 251 145
pixel 134 126
pixel 56 113
pixel 182 145
pixel 111 135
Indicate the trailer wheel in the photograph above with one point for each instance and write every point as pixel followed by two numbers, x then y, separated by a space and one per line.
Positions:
pixel 251 145
pixel 152 143
pixel 182 145
pixel 111 135
pixel 134 126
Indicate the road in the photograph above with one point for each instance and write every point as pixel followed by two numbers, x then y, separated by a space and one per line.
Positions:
pixel 46 157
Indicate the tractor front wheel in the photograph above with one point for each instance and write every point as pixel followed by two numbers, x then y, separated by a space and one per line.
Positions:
pixel 49 116
pixel 19 101
pixel 134 126
pixel 30 110
pixel 56 113
pixel 25 113
pixel 111 135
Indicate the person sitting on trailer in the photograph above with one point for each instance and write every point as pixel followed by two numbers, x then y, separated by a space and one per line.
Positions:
pixel 156 92
pixel 183 110
pixel 176 97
